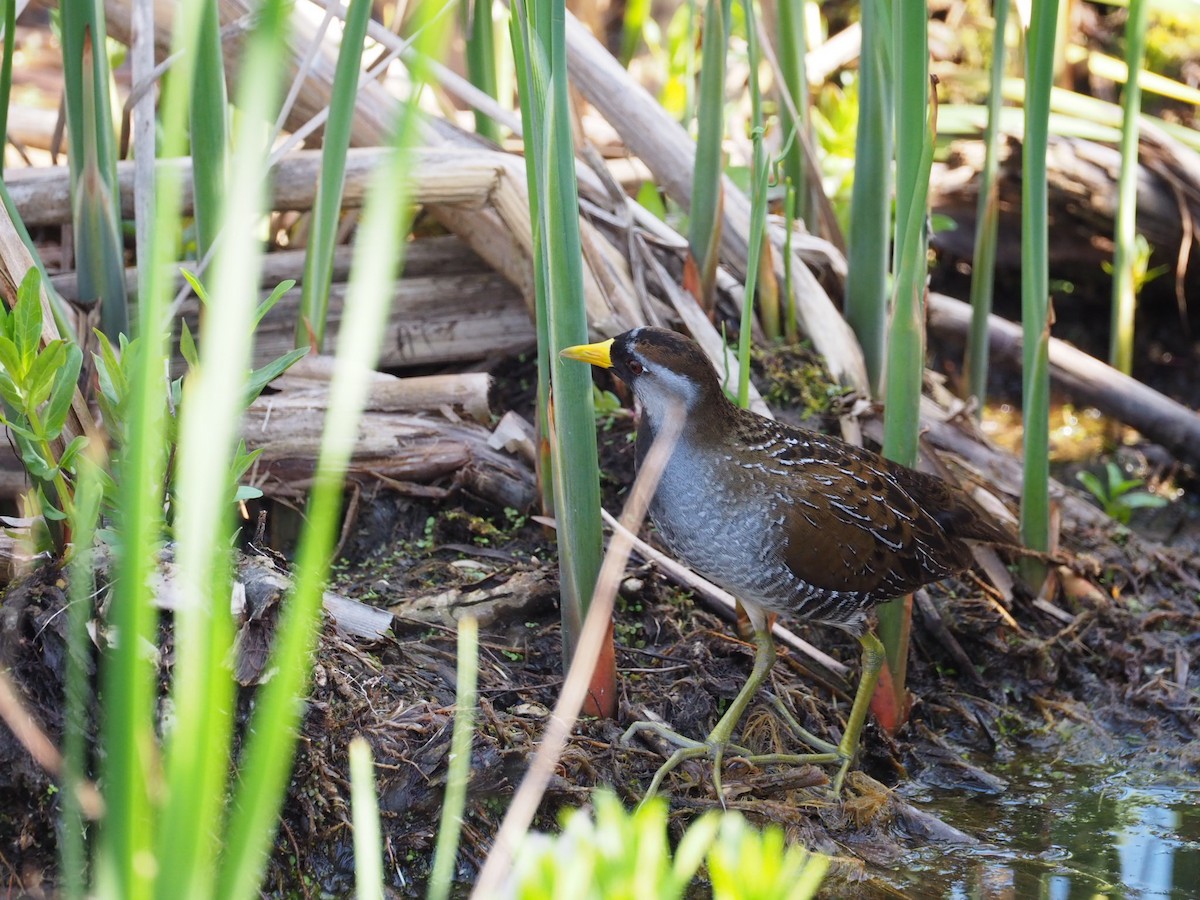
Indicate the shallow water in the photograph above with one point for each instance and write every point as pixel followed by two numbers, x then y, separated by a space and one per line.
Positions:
pixel 1061 832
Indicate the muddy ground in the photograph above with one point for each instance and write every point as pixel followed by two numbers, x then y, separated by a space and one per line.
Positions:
pixel 989 682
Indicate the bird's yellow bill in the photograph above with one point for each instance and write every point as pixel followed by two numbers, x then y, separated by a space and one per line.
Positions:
pixel 598 354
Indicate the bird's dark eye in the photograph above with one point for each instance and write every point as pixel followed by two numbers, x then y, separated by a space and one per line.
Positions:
pixel 636 367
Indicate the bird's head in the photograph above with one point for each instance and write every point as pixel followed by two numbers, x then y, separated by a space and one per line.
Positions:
pixel 665 370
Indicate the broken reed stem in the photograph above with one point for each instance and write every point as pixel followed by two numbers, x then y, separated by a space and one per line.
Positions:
pixel 442 879
pixel 566 711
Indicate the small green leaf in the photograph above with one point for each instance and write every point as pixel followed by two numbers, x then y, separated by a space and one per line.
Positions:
pixel 35 464
pixel 10 359
pixel 30 289
pixel 67 462
pixel 260 378
pixel 242 461
pixel 1092 483
pixel 65 385
pixel 1115 475
pixel 942 223
pixel 8 390
pixel 42 373
pixel 1144 500
pixel 52 512
pixel 276 295
pixel 246 492
pixel 1121 488
pixel 108 484
pixel 18 430
pixel 27 327
pixel 197 287
pixel 187 347
pixel 649 197
pixel 109 370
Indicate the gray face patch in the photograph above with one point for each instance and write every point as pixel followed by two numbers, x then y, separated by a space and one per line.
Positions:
pixel 662 391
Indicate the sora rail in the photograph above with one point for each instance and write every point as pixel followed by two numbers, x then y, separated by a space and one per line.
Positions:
pixel 787 520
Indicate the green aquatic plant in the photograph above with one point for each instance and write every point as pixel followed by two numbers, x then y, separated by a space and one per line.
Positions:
pixel 1119 496
pixel 37 385
pixel 618 853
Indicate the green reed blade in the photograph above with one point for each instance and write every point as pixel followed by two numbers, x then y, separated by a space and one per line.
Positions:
pixel 81 592
pixel 480 34
pixel 364 811
pixel 987 219
pixel 916 126
pixel 1124 302
pixel 870 201
pixel 6 64
pixel 759 174
pixel 99 249
pixel 210 152
pixel 124 862
pixel 202 692
pixel 1035 289
pixel 540 42
pixel 327 207
pixel 455 802
pixel 378 255
pixel 792 41
pixel 527 57
pixel 633 26
pixel 704 220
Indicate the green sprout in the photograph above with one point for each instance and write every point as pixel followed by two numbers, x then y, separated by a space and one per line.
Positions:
pixel 618 853
pixel 37 385
pixel 1120 496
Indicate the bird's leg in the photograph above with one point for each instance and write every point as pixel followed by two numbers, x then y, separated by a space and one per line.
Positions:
pixel 799 730
pixel 764 658
pixel 872 663
pixel 718 740
pixel 844 752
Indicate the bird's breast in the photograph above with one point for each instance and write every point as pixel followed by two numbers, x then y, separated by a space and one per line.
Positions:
pixel 727 528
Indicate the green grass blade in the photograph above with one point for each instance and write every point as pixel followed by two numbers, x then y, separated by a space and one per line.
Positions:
pixel 987 219
pixel 791 329
pixel 210 160
pixel 905 364
pixel 378 254
pixel 633 26
pixel 442 878
pixel 1078 114
pixel 127 836
pixel 531 88
pixel 481 59
pixel 1124 302
pixel 6 64
pixel 81 590
pixel 756 250
pixel 761 285
pixel 870 207
pixel 576 461
pixel 792 41
pixel 62 317
pixel 129 688
pixel 1035 288
pixel 197 757
pixel 704 221
pixel 99 250
pixel 327 208
pixel 539 41
pixel 364 810
pixel 760 172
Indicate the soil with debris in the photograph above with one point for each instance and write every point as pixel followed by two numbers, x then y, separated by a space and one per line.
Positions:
pixel 987 680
